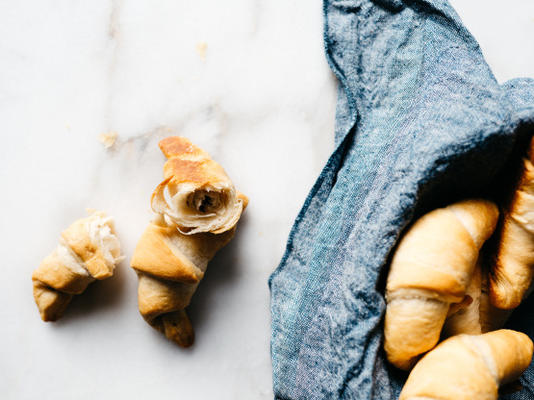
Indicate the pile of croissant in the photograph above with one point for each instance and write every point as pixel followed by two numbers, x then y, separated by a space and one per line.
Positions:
pixel 443 284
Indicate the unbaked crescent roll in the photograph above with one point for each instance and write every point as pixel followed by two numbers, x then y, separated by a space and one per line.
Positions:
pixel 514 263
pixel 170 266
pixel 467 367
pixel 196 195
pixel 87 250
pixel 432 268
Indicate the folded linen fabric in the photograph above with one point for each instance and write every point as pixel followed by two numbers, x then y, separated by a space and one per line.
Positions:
pixel 420 122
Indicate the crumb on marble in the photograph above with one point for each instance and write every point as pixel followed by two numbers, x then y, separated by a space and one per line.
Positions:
pixel 202 47
pixel 108 139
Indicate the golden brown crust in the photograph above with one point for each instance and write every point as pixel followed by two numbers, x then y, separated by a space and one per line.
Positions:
pixel 511 351
pixel 189 163
pixel 467 367
pixel 479 218
pixel 176 145
pixel 439 252
pixel 153 255
pixel 196 195
pixel 198 172
pixel 432 268
pixel 52 272
pixel 491 317
pixel 514 262
pixel 513 267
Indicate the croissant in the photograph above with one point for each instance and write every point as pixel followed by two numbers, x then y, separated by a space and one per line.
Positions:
pixel 469 367
pixel 197 210
pixel 430 270
pixel 87 250
pixel 196 195
pixel 514 263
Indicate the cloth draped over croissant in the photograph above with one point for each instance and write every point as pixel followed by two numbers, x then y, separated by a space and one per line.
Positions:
pixel 421 122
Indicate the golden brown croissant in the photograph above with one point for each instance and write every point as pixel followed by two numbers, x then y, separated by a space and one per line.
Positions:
pixel 87 250
pixel 432 268
pixel 469 367
pixel 514 264
pixel 198 208
pixel 196 195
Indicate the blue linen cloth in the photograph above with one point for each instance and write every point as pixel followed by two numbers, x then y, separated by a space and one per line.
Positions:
pixel 420 122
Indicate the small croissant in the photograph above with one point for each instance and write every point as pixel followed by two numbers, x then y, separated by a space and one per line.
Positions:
pixel 469 367
pixel 197 210
pixel 513 270
pixel 430 271
pixel 87 250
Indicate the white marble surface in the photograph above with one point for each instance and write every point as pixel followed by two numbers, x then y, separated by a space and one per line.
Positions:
pixel 261 100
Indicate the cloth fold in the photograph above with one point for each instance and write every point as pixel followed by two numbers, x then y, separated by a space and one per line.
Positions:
pixel 420 122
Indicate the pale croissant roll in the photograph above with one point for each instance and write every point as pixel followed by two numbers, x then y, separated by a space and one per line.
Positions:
pixel 467 367
pixel 196 195
pixel 431 269
pixel 514 263
pixel 87 250
pixel 170 266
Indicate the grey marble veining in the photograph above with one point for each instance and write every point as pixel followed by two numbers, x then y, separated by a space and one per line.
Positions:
pixel 261 100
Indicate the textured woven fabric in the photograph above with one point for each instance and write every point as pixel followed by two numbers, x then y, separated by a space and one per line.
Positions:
pixel 420 122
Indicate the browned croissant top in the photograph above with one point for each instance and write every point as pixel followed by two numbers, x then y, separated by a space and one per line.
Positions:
pixel 197 195
pixel 189 163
